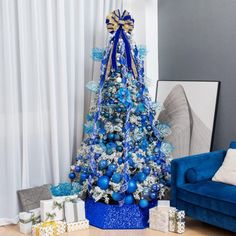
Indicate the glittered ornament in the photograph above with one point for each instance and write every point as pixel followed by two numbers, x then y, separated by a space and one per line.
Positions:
pixel 155 187
pixel 103 182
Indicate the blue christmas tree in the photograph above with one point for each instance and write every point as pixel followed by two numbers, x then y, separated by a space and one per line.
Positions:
pixel 124 158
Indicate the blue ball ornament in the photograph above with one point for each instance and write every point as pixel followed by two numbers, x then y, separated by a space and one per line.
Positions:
pixel 120 160
pixel 97 140
pixel 119 148
pixel 109 151
pixel 106 115
pixel 112 167
pixel 146 192
pixel 102 164
pixel 77 169
pixel 97 155
pixel 146 170
pixel 83 177
pixel 119 109
pixel 103 182
pixel 155 187
pixel 72 175
pixel 116 178
pixel 117 196
pixel 117 137
pixel 110 136
pixel 109 173
pixel 132 186
pixel 129 199
pixel 143 203
pixel 131 162
pixel 141 177
pixel 153 195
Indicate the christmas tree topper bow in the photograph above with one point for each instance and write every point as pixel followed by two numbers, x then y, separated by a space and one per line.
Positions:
pixel 120 24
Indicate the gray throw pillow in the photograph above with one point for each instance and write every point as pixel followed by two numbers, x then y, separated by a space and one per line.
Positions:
pixel 30 198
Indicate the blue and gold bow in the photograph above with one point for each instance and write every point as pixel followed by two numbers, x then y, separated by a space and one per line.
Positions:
pixel 119 24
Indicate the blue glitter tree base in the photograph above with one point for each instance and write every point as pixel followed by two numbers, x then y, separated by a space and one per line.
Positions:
pixel 106 216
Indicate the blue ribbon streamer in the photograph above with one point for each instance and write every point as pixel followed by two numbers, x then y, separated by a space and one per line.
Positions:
pixel 120 33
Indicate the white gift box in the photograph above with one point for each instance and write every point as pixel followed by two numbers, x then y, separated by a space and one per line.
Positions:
pixel 74 211
pixel 80 225
pixel 176 221
pixel 25 222
pixel 49 228
pixel 36 216
pixel 52 210
pixel 159 218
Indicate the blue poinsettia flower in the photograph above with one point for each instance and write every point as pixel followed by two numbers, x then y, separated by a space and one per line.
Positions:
pixel 140 107
pixel 124 96
pixel 88 128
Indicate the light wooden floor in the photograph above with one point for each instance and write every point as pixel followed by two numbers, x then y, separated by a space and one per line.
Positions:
pixel 193 228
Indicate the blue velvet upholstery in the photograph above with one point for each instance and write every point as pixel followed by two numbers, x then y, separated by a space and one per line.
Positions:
pixel 203 199
pixel 233 145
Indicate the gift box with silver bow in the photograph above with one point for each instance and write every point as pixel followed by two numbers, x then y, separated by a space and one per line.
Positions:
pixel 80 225
pixel 176 221
pixel 52 210
pixel 25 222
pixel 52 228
pixel 74 210
pixel 27 219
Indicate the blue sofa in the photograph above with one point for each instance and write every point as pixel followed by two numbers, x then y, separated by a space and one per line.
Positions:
pixel 193 190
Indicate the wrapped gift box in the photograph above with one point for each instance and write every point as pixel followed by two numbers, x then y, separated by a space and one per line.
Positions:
pixel 159 216
pixel 52 228
pixel 176 221
pixel 36 216
pixel 80 225
pixel 25 222
pixel 52 210
pixel 74 210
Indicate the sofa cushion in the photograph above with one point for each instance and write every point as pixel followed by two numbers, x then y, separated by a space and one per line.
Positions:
pixel 211 195
pixel 227 172
pixel 200 173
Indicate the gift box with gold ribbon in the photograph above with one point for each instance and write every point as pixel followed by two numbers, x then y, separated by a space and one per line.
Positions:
pixel 52 228
pixel 80 225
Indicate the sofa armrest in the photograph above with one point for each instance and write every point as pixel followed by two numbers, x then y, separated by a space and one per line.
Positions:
pixel 181 165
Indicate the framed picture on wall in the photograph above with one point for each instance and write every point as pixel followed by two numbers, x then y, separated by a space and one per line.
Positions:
pixel 189 108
